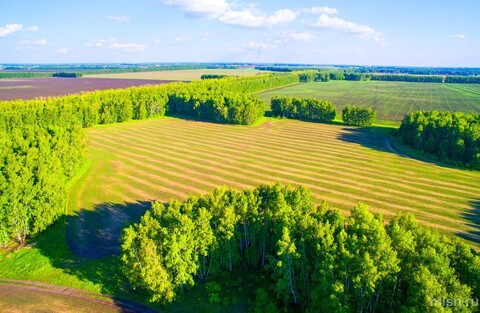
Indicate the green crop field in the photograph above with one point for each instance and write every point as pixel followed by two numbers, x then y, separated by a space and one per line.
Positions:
pixel 391 100
pixel 184 75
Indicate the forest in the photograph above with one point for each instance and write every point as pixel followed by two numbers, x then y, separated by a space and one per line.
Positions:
pixel 43 146
pixel 303 108
pixel 314 258
pixel 453 137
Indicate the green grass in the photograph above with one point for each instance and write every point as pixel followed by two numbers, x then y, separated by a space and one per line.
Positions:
pixel 136 162
pixel 391 100
pixel 183 75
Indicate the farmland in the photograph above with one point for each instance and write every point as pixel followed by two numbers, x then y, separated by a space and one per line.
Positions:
pixel 135 163
pixel 182 75
pixel 391 100
pixel 31 88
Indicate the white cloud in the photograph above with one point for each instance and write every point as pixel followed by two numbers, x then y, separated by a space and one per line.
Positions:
pixel 122 19
pixel 31 43
pixel 62 50
pixel 98 44
pixel 297 36
pixel 128 47
pixel 11 28
pixel 364 31
pixel 226 13
pixel 251 18
pixel 458 36
pixel 201 8
pixel 260 45
pixel 321 10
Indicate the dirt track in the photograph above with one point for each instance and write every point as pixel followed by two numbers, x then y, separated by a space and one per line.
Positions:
pixel 21 296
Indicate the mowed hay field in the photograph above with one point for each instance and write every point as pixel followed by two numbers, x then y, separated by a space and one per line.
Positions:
pixel 183 75
pixel 391 100
pixel 167 158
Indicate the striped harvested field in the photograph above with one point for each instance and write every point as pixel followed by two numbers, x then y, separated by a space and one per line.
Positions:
pixel 171 158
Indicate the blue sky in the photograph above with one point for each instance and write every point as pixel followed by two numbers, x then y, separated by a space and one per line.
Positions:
pixel 387 32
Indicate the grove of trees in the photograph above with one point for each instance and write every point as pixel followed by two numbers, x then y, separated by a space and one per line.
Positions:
pixel 357 116
pixel 315 258
pixel 451 136
pixel 42 143
pixel 303 108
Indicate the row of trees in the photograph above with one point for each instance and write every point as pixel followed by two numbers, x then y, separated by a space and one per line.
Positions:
pixel 42 146
pixel 303 108
pixel 212 76
pixel 67 74
pixel 317 259
pixel 452 137
pixel 357 116
pixel 463 79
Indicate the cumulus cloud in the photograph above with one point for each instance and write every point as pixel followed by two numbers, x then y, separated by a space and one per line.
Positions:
pixel 122 19
pixel 114 44
pixel 62 50
pixel 364 31
pixel 201 8
pixel 251 18
pixel 458 36
pixel 226 13
pixel 297 36
pixel 260 45
pixel 128 47
pixel 31 43
pixel 321 10
pixel 12 28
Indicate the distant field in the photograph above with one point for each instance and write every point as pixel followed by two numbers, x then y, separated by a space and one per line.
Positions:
pixel 391 100
pixel 134 163
pixel 183 75
pixel 30 88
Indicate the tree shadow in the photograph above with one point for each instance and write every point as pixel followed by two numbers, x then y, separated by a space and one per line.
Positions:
pixel 365 136
pixel 87 246
pixel 376 138
pixel 473 221
pixel 96 233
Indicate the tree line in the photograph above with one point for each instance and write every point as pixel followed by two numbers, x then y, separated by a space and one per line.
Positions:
pixel 213 76
pixel 315 258
pixel 303 108
pixel 42 143
pixel 453 137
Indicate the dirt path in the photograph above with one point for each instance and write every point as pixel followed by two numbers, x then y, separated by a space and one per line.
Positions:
pixel 25 288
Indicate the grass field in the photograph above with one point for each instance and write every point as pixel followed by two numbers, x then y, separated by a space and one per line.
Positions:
pixel 183 75
pixel 391 100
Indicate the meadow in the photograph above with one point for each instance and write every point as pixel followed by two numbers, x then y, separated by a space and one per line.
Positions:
pixel 180 75
pixel 391 100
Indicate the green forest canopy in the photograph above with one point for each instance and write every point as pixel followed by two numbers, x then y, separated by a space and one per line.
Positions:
pixel 315 258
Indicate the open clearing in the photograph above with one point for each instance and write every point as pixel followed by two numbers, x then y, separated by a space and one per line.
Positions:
pixel 182 75
pixel 137 162
pixel 391 100
pixel 30 88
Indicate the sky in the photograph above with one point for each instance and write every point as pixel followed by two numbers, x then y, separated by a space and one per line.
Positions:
pixel 376 32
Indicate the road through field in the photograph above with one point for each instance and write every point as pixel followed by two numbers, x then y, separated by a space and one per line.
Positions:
pixel 134 163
